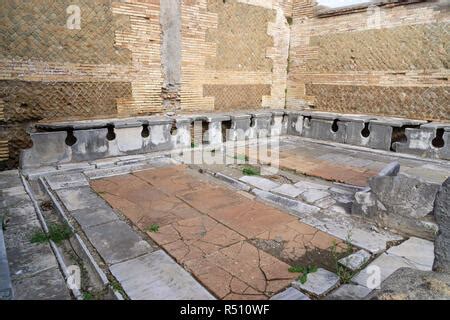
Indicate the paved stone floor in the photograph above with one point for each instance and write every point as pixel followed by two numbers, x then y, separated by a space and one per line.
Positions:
pixel 348 165
pixel 222 237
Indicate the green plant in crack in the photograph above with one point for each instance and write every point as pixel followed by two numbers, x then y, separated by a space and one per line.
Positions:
pixel 344 274
pixel 304 271
pixel 116 286
pixel 194 145
pixel 153 228
pixel 249 171
pixel 88 296
pixel 56 232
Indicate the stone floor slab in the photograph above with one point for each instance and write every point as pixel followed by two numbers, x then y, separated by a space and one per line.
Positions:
pixel 385 265
pixel 349 292
pixel 287 190
pixel 418 251
pixel 116 242
pixel 93 217
pixel 343 226
pixel 312 196
pixel 318 283
pixel 67 180
pixel 141 202
pixel 299 244
pixel 290 294
pixel 47 285
pixel 250 218
pixel 241 270
pixel 156 276
pixel 297 207
pixel 79 198
pixel 193 238
pixel 260 183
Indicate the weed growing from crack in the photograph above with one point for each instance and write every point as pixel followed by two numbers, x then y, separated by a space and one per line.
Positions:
pixel 153 228
pixel 249 171
pixel 56 232
pixel 304 271
pixel 116 286
pixel 344 274
pixel 88 296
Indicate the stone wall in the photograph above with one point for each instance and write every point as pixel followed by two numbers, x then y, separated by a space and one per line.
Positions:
pixel 138 57
pixel 234 54
pixel 389 60
pixel 53 65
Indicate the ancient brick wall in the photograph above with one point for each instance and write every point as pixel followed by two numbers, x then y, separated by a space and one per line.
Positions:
pixel 388 60
pixel 234 54
pixel 53 65
pixel 130 57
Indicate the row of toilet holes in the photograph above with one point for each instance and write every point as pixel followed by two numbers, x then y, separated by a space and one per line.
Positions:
pixel 145 133
pixel 437 142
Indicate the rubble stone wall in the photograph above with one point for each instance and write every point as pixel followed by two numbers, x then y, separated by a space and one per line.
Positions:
pixel 391 59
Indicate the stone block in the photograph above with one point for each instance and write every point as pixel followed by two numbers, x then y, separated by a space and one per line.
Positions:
pixel 380 136
pixel 49 149
pixel 156 276
pixel 379 269
pixel 116 241
pixel 80 198
pixel 418 251
pixel 322 129
pixel 318 283
pixel 67 180
pixel 47 285
pixel 404 195
pixel 356 260
pixel 287 190
pixel 420 141
pixel 411 284
pixel 297 207
pixel 349 292
pixel 312 195
pixel 260 183
pixel 290 294
pixel 355 135
pixel 160 138
pixel 90 217
pixel 235 183
pixel 129 139
pixel 5 277
pixel 442 214
pixel 93 144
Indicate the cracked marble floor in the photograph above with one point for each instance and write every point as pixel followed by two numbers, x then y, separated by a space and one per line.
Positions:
pixel 216 233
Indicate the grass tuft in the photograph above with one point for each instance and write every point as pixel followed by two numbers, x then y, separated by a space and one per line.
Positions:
pixel 153 228
pixel 304 271
pixel 249 171
pixel 56 232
